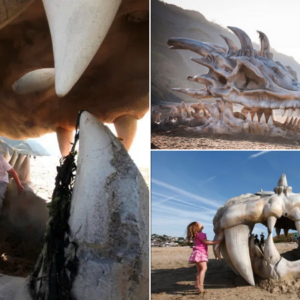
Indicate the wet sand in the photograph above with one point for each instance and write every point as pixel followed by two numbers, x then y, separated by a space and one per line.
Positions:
pixel 174 278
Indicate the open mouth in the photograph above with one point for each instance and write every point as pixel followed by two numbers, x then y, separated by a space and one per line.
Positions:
pixel 235 221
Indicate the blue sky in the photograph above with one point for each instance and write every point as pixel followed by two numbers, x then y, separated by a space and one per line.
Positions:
pixel 190 186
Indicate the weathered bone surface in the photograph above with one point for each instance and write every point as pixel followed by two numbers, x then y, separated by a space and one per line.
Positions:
pixel 94 54
pixel 265 88
pixel 109 220
pixel 235 221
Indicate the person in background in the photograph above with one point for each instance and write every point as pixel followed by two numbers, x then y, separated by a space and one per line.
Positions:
pixel 6 168
pixel 262 239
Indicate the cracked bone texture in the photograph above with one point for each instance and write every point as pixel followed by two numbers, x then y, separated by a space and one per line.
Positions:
pixel 247 77
pixel 236 219
pixel 110 226
pixel 108 84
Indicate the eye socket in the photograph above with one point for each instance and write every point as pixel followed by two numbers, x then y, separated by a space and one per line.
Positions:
pixel 222 79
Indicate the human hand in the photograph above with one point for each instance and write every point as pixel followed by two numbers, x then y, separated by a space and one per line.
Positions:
pixel 20 189
pixel 218 242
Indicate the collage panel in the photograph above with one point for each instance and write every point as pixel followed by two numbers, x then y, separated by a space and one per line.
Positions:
pixel 74 149
pixel 224 75
pixel 225 225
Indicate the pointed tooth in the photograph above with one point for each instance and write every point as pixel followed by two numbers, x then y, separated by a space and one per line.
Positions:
pixel 65 138
pixel 255 118
pixel 236 239
pixel 24 171
pixel 217 248
pixel 271 254
pixel 278 231
pixel 13 159
pixel 286 231
pixel 6 155
pixel 19 162
pixel 34 81
pixel 295 121
pixel 270 121
pixel 262 119
pixel 254 250
pixel 287 121
pixel 248 116
pixel 126 127
pixel 286 113
pixel 271 223
pixel 291 121
pixel 297 224
pixel 77 31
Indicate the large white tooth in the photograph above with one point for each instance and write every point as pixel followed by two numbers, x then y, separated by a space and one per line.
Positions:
pixel 271 254
pixel 295 121
pixel 236 239
pixel 255 118
pixel 297 224
pixel 282 181
pixel 126 127
pixel 287 121
pixel 271 223
pixel 19 162
pixel 248 116
pixel 262 119
pixel 227 258
pixel 13 159
pixel 6 155
pixel 286 231
pixel 35 81
pixel 278 231
pixel 24 170
pixel 77 29
pixel 270 121
pixel 217 248
pixel 64 138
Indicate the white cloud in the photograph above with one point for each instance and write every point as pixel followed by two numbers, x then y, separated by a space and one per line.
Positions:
pixel 209 202
pixel 258 154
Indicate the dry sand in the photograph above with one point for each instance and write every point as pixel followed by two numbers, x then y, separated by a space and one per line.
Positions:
pixel 174 278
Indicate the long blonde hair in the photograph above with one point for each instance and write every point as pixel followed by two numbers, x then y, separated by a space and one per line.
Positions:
pixel 192 231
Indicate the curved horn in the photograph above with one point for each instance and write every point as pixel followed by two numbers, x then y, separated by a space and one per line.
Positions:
pixel 264 42
pixel 232 47
pixel 243 37
pixel 192 45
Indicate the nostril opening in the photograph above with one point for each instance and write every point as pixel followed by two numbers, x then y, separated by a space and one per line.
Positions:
pixel 222 79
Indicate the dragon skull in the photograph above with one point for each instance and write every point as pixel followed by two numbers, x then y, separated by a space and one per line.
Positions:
pixel 247 77
pixel 235 220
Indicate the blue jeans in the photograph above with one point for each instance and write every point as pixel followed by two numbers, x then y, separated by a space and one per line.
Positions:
pixel 3 188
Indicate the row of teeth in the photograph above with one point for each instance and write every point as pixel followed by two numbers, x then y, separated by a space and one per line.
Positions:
pixel 262 119
pixel 272 221
pixel 289 112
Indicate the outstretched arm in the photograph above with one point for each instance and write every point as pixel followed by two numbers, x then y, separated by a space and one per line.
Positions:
pixel 15 176
pixel 206 242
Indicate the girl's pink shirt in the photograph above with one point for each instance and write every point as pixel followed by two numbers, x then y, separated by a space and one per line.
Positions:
pixel 198 242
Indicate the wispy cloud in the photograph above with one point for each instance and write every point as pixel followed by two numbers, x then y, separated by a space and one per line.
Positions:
pixel 258 154
pixel 182 192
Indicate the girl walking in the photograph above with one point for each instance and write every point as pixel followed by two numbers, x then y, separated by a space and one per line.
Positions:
pixel 199 255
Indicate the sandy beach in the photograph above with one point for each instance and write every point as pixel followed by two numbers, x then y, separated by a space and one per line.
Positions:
pixel 172 277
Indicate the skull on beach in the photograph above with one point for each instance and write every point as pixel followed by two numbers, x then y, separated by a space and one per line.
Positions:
pixel 267 90
pixel 235 221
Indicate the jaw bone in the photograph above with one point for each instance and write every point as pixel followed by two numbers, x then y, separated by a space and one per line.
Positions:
pixel 110 225
pixel 237 218
pixel 77 30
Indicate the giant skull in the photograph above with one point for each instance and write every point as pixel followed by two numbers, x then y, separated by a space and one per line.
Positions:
pixel 235 220
pixel 58 57
pixel 247 77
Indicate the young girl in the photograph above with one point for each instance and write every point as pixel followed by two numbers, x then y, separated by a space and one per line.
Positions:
pixel 199 255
